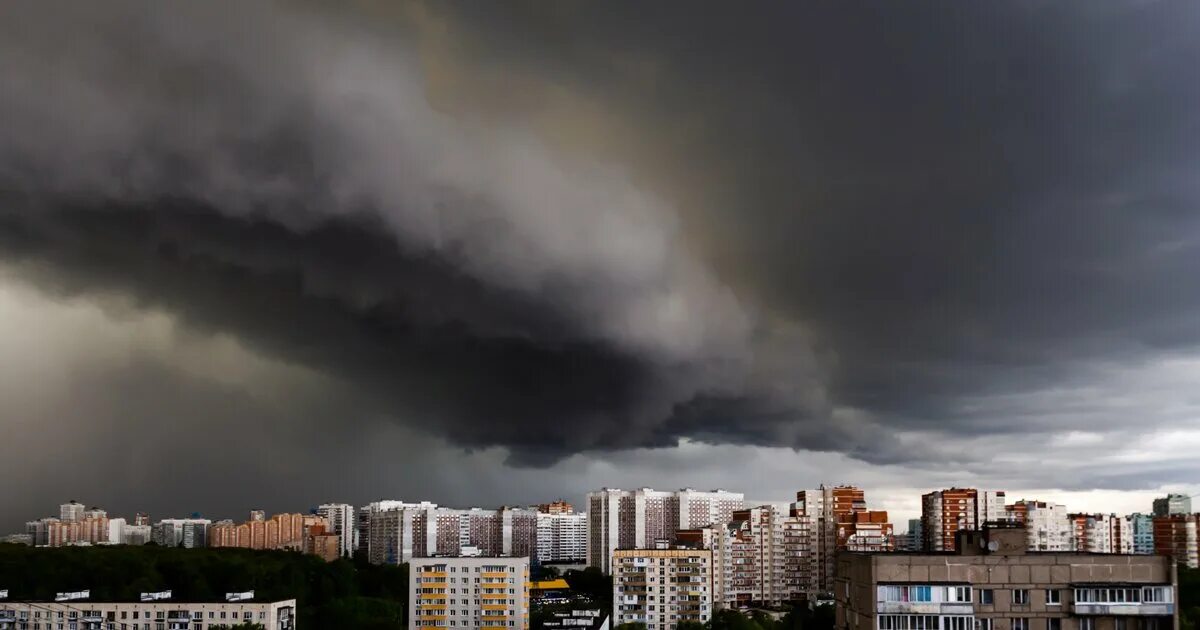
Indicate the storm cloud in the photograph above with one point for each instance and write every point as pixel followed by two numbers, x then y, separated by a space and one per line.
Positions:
pixel 939 240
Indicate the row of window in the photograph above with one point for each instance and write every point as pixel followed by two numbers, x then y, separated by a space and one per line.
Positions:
pixel 1020 596
pixel 464 580
pixel 441 568
pixel 965 622
pixel 160 615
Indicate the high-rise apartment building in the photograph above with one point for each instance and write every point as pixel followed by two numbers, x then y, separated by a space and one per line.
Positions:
pixel 556 507
pixel 1173 504
pixel 486 593
pixel 71 511
pixel 191 533
pixel 945 512
pixel 837 517
pixel 1175 535
pixel 992 583
pixel 638 519
pixel 1142 526
pixel 1047 526
pixel 282 531
pixel 398 534
pixel 912 539
pixel 365 512
pixel 662 587
pixel 1101 533
pixel 342 521
pixel 561 536
pixel 758 558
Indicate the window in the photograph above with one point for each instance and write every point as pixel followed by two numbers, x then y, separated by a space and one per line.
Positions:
pixel 1087 623
pixel 956 623
pixel 907 593
pixel 1020 596
pixel 983 624
pixel 908 622
pixel 1154 594
pixel 1053 597
pixel 958 594
pixel 1119 624
pixel 1020 623
pixel 1054 623
pixel 985 596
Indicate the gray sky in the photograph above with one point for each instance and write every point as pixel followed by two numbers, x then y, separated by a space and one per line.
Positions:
pixel 272 255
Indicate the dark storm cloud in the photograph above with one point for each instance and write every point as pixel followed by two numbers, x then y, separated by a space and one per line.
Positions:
pixel 608 226
pixel 959 201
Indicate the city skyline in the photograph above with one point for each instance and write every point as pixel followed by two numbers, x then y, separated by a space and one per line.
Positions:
pixel 275 255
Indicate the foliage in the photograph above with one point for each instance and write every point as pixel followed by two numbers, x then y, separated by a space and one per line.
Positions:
pixel 593 584
pixel 631 626
pixel 1189 598
pixel 342 593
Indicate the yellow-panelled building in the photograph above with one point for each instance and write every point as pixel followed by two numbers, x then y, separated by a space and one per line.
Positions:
pixel 469 592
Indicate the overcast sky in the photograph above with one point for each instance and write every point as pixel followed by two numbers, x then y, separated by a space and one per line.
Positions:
pixel 272 255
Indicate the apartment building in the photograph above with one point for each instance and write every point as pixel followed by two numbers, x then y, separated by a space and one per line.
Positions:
pixel 1101 533
pixel 1175 536
pixel 561 536
pixel 911 540
pixel 946 512
pixel 71 511
pixel 342 521
pixel 280 615
pixel 835 516
pixel 1172 504
pixel 281 531
pixel 191 533
pixel 758 558
pixel 83 530
pixel 992 582
pixel 1142 526
pixel 485 593
pixel 365 512
pixel 1047 526
pixel 556 507
pixel 639 519
pixel 399 534
pixel 662 587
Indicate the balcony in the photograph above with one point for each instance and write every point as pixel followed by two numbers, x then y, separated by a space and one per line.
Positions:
pixel 1125 609
pixel 924 608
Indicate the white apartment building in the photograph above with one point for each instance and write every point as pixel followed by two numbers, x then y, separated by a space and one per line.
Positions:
pixel 426 530
pixel 1047 527
pixel 86 615
pixel 1102 533
pixel 561 537
pixel 71 511
pixel 485 593
pixel 638 519
pixel 759 558
pixel 173 532
pixel 342 521
pixel 662 587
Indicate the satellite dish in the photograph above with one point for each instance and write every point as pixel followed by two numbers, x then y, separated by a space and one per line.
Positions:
pixel 993 545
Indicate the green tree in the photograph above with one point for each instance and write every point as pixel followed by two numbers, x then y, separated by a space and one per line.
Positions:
pixel 631 626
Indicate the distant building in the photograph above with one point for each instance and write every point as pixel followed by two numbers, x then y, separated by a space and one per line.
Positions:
pixel 637 519
pixel 662 587
pixel 760 558
pixel 1047 526
pixel 556 507
pixel 281 531
pixel 469 593
pixel 342 521
pixel 399 534
pixel 946 512
pixel 136 534
pixel 190 533
pixel 71 511
pixel 280 615
pixel 1101 533
pixel 326 546
pixel 1176 536
pixel 141 518
pixel 561 536
pixel 992 583
pixel 1142 526
pixel 1173 504
pixel 838 517
pixel 911 540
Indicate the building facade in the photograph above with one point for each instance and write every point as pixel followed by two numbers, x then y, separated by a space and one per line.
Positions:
pixel 556 507
pixel 760 558
pixel 1172 504
pixel 640 519
pixel 994 583
pixel 1175 536
pixel 485 593
pixel 561 536
pixel 399 534
pixel 281 531
pixel 837 517
pixel 342 521
pixel 159 615
pixel 1142 526
pixel 662 587
pixel 1047 526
